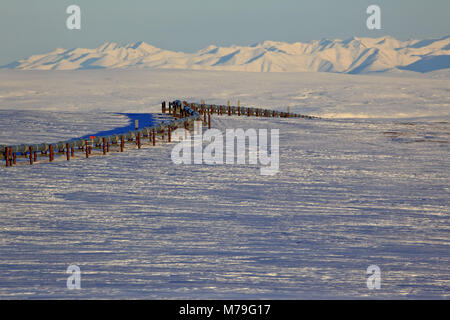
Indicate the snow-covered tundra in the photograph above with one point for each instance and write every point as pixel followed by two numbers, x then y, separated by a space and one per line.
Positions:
pixel 367 185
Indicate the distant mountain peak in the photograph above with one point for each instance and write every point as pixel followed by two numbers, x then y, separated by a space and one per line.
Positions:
pixel 108 46
pixel 352 55
pixel 211 49
pixel 141 45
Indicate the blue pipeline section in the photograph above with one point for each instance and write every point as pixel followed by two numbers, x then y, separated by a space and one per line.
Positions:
pixel 145 120
pixel 146 124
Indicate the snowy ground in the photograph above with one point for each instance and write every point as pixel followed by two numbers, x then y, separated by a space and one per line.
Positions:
pixel 370 189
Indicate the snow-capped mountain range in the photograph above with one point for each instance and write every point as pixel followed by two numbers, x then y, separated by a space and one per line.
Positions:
pixel 354 56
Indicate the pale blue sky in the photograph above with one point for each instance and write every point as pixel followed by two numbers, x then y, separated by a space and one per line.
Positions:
pixel 37 26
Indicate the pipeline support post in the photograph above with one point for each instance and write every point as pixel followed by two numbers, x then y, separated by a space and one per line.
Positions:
pixel 31 154
pixel 87 148
pixel 7 156
pixel 50 153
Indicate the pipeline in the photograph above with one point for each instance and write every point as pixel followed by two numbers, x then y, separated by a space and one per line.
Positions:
pixel 184 114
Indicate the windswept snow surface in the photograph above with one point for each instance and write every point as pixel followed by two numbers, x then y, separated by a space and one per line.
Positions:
pixel 369 189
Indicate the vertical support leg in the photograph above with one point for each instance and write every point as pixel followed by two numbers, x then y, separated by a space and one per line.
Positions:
pixel 154 136
pixel 67 152
pixel 7 156
pixel 87 148
pixel 209 121
pixel 31 154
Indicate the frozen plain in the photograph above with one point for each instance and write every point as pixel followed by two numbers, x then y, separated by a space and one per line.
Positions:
pixel 368 184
